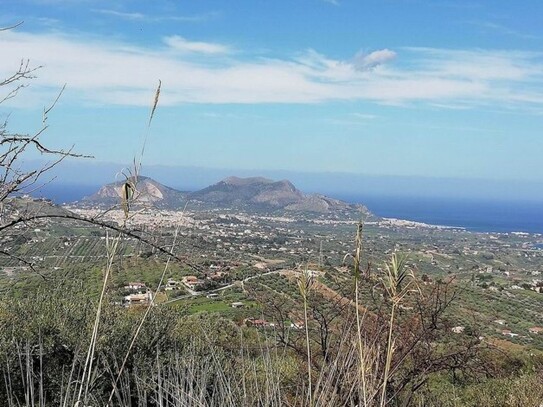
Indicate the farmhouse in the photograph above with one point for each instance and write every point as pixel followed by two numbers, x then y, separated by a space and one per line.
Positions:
pixel 507 332
pixel 138 299
pixel 237 305
pixel 171 285
pixel 192 282
pixel 458 329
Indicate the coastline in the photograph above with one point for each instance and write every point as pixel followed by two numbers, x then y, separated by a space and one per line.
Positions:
pixel 413 224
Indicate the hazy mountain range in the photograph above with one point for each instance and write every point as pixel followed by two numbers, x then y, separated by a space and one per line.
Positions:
pixel 231 192
pixel 87 175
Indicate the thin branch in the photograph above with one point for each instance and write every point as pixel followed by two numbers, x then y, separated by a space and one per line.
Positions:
pixel 47 110
pixel 123 230
pixel 40 147
pixel 25 262
pixel 12 27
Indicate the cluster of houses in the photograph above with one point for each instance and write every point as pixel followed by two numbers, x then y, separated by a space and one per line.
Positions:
pixel 533 283
pixel 142 295
pixel 193 282
pixel 535 330
pixel 262 323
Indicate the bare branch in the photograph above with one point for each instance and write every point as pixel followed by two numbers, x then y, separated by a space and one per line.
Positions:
pixel 12 27
pixel 47 110
pixel 23 72
pixel 123 230
pixel 39 146
pixel 25 262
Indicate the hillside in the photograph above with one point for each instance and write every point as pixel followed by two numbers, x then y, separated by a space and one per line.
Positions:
pixel 23 206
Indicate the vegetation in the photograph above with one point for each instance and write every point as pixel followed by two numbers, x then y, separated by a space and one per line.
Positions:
pixel 373 335
pixel 188 356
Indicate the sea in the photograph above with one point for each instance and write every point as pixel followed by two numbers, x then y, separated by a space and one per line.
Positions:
pixel 477 215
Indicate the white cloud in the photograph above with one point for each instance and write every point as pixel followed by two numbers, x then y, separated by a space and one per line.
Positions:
pixel 133 16
pixel 181 44
pixel 106 72
pixel 364 61
pixel 502 29
pixel 364 116
pixel 479 64
pixel 121 14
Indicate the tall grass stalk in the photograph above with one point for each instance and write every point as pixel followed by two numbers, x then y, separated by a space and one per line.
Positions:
pixel 305 283
pixel 396 282
pixel 144 318
pixel 111 251
pixel 357 265
pixel 127 194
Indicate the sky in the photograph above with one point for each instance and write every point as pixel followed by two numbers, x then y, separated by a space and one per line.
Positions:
pixel 398 88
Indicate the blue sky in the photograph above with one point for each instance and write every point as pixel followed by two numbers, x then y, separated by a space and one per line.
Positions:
pixel 423 88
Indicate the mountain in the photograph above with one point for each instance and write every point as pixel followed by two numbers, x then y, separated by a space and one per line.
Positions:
pixel 234 191
pixel 148 191
pixel 263 193
pixel 254 193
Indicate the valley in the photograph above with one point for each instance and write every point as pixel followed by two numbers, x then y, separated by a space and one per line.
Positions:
pixel 498 276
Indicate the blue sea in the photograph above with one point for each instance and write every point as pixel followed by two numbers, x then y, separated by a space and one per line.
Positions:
pixel 65 193
pixel 474 215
